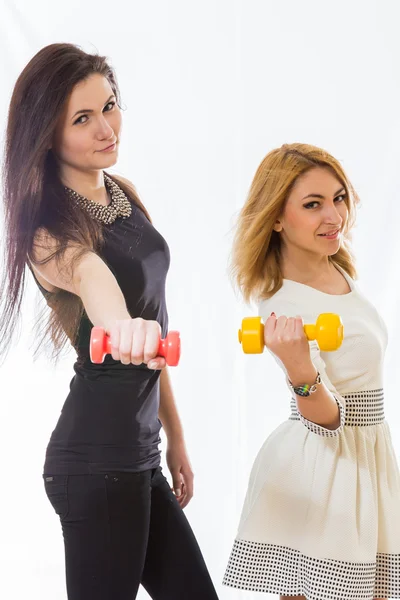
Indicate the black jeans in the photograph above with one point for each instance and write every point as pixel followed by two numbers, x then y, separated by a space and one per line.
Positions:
pixel 125 529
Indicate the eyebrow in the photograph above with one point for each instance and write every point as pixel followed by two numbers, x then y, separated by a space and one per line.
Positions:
pixel 342 189
pixel 89 110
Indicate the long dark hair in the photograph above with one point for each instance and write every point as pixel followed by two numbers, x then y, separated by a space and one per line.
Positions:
pixel 33 193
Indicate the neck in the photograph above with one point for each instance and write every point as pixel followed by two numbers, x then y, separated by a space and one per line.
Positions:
pixel 89 184
pixel 305 267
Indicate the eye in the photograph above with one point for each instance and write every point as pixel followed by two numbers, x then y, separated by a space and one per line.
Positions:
pixel 79 120
pixel 311 204
pixel 109 106
pixel 112 104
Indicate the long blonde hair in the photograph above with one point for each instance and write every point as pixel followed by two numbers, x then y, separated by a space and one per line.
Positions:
pixel 255 262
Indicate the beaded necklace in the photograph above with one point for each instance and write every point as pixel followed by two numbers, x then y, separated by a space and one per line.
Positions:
pixel 118 207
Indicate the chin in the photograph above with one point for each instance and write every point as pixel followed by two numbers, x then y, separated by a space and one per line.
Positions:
pixel 107 161
pixel 334 251
pixel 329 248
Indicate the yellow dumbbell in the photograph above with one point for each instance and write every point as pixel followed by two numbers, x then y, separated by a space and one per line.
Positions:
pixel 328 331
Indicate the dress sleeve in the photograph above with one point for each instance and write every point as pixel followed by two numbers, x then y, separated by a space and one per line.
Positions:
pixel 319 364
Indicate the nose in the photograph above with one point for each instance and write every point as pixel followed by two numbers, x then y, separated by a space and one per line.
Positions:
pixel 104 130
pixel 332 216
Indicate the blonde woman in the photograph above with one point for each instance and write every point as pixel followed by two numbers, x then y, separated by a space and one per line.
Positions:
pixel 321 518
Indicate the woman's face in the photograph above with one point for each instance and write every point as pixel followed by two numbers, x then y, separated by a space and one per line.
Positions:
pixel 316 206
pixel 87 136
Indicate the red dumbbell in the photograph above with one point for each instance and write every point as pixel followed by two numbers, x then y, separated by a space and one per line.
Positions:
pixel 100 345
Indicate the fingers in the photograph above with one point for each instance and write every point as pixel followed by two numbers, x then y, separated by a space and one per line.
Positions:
pixel 274 329
pixel 137 341
pixel 186 488
pixel 269 328
pixel 151 347
pixel 299 327
pixel 278 330
pixel 151 342
pixel 136 336
pixel 157 364
pixel 188 479
pixel 114 338
pixel 177 483
pixel 289 330
pixel 183 500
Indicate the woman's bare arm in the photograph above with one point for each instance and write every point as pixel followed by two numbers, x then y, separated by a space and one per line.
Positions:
pixel 91 280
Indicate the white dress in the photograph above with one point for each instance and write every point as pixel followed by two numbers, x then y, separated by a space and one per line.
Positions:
pixel 321 516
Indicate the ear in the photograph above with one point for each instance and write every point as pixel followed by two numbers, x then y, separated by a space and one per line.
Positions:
pixel 278 226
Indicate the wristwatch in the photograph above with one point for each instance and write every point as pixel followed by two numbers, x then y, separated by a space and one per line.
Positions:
pixel 306 389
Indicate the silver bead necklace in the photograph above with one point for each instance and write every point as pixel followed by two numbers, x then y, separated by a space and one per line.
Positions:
pixel 118 207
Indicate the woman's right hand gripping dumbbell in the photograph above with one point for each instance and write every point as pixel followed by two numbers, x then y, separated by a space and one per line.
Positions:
pixel 136 341
pixel 285 337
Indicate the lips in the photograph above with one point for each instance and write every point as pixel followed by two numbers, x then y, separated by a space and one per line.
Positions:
pixel 333 232
pixel 108 147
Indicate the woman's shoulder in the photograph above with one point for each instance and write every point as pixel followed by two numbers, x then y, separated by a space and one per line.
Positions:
pixel 130 190
pixel 296 300
pixel 281 303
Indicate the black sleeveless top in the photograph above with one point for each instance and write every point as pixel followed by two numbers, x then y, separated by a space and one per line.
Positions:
pixel 109 420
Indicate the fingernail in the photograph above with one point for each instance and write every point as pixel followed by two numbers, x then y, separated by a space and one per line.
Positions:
pixel 178 492
pixel 152 364
pixel 273 314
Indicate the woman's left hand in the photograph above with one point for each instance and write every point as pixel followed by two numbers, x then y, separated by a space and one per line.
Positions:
pixel 181 471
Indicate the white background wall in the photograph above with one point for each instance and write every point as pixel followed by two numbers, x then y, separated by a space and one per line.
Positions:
pixel 210 87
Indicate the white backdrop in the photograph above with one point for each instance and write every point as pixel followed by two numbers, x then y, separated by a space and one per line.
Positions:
pixel 210 87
